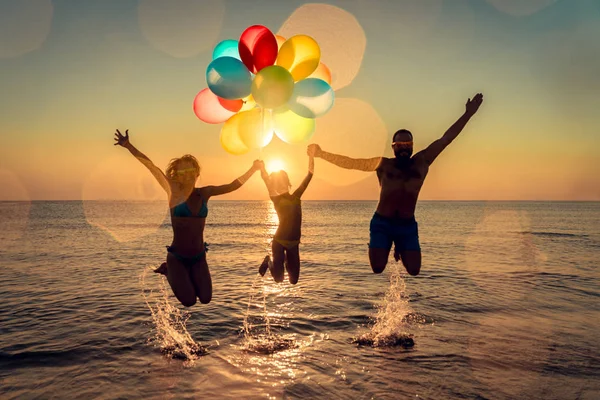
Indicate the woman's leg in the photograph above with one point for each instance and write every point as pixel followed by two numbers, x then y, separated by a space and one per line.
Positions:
pixel 179 279
pixel 292 264
pixel 278 260
pixel 202 281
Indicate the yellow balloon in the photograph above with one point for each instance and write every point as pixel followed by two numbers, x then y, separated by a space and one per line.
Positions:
pixel 255 128
pixel 300 55
pixel 292 128
pixel 230 137
pixel 249 103
pixel 322 72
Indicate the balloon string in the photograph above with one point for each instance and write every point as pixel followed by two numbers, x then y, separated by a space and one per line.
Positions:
pixel 262 131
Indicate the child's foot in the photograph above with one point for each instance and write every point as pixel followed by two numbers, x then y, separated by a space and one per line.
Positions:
pixel 264 266
pixel 162 269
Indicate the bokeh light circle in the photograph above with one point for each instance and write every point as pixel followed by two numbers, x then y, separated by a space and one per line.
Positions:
pixel 342 47
pixel 122 198
pixel 181 28
pixel 15 204
pixel 24 26
pixel 352 128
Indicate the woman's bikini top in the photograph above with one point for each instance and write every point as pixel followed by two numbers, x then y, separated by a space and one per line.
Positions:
pixel 182 210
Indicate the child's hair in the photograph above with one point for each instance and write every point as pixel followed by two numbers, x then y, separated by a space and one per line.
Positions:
pixel 280 180
pixel 175 163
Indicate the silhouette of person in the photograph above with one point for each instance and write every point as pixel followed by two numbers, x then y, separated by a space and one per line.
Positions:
pixel 400 179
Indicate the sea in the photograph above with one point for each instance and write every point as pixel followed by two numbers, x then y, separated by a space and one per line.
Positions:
pixel 506 305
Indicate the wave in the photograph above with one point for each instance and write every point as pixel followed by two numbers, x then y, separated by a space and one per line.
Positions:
pixel 555 234
pixel 44 357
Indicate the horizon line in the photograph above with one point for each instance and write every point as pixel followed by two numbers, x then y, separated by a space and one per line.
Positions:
pixel 329 200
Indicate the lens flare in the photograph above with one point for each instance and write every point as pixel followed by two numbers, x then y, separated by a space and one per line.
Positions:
pixel 15 204
pixel 342 48
pixel 353 128
pixel 274 165
pixel 122 198
pixel 24 26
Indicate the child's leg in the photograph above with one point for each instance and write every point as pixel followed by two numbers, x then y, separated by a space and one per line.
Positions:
pixel 292 264
pixel 278 261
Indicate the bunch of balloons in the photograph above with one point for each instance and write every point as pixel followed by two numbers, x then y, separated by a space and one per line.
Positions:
pixel 262 85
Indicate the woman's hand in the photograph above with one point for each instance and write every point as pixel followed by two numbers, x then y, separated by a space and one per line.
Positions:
pixel 258 165
pixel 122 140
pixel 314 150
pixel 473 104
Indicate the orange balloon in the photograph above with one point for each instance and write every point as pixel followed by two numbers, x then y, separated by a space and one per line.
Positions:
pixel 280 40
pixel 322 72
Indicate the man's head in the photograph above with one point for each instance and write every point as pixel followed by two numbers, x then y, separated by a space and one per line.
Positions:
pixel 402 144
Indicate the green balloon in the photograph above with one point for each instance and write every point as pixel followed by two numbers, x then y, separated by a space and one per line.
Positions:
pixel 272 86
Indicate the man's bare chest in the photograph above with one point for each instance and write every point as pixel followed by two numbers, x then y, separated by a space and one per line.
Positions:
pixel 402 178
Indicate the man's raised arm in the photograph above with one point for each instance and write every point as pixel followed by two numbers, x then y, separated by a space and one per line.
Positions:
pixel 360 164
pixel 435 148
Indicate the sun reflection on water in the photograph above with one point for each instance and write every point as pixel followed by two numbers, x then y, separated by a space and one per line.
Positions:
pixel 265 350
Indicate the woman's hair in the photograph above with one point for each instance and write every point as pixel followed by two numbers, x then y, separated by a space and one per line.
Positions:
pixel 280 179
pixel 175 164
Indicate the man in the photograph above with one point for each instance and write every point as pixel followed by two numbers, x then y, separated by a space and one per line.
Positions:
pixel 401 179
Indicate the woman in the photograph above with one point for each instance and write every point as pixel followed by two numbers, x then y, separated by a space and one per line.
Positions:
pixel 287 237
pixel 186 267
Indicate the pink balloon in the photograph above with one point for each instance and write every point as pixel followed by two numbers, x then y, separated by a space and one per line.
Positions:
pixel 212 109
pixel 258 48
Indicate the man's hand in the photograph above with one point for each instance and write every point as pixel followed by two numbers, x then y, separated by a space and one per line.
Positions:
pixel 473 104
pixel 122 140
pixel 313 150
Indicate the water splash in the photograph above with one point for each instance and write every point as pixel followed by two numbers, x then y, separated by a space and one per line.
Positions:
pixel 171 334
pixel 259 337
pixel 390 327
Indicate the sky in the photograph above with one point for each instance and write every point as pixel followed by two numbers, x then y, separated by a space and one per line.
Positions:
pixel 73 71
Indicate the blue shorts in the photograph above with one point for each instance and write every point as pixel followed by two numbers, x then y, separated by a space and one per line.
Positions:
pixel 403 232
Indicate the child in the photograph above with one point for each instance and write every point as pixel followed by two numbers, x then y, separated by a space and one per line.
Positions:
pixel 287 238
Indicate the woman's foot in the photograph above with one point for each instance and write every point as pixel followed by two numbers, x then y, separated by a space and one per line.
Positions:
pixel 265 265
pixel 162 269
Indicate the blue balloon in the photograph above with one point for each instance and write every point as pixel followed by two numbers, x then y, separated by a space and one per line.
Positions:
pixel 228 77
pixel 227 48
pixel 311 98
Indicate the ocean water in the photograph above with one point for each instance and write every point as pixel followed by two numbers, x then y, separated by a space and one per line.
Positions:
pixel 506 305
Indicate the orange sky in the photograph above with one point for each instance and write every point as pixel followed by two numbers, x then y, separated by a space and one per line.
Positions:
pixel 82 70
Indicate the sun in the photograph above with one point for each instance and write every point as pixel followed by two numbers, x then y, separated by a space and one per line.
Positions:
pixel 274 165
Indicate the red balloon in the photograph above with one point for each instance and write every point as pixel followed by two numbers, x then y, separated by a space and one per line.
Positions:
pixel 258 48
pixel 212 109
pixel 231 105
